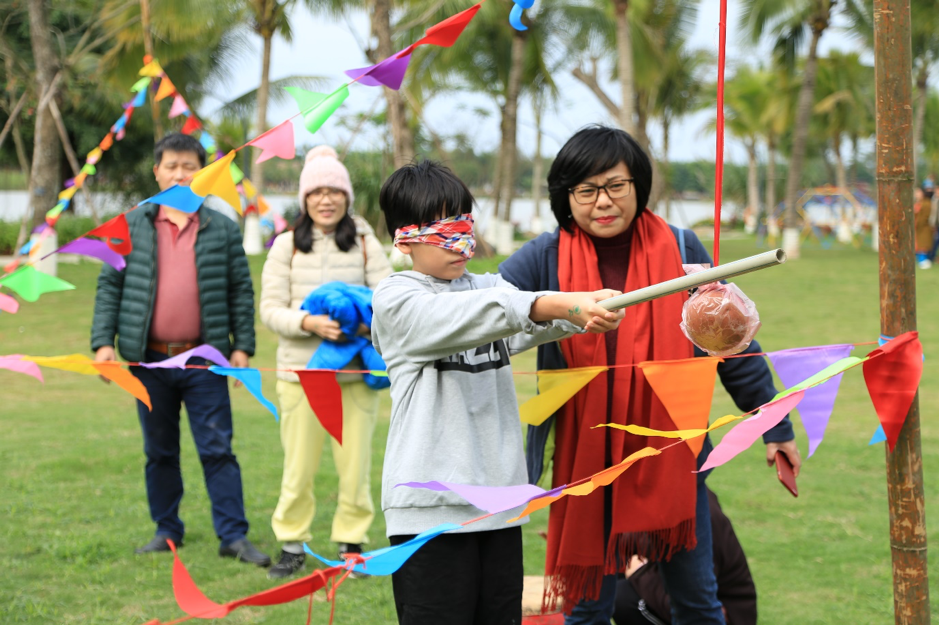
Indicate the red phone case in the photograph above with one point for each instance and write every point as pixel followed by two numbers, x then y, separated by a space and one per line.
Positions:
pixel 785 474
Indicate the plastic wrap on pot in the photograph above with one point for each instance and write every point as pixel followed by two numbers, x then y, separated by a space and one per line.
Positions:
pixel 720 319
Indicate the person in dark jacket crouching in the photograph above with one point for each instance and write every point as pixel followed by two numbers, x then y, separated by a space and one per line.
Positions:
pixel 186 283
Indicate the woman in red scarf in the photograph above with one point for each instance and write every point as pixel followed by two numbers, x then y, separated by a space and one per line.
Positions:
pixel 599 185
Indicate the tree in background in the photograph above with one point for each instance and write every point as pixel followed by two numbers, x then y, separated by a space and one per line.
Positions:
pixel 788 23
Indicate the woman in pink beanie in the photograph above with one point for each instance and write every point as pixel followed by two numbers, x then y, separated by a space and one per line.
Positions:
pixel 327 244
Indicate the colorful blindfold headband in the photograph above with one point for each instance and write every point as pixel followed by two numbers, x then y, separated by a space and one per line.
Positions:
pixel 453 233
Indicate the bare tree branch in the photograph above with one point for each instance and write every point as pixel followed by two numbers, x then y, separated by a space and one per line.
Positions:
pixel 590 80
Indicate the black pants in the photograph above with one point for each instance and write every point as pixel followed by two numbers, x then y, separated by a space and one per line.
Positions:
pixel 472 578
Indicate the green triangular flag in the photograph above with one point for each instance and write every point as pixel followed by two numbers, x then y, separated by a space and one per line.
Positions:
pixel 236 174
pixel 831 370
pixel 89 169
pixel 29 283
pixel 141 84
pixel 317 107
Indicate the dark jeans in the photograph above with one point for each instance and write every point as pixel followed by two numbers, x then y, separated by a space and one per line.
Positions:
pixel 207 404
pixel 473 578
pixel 689 580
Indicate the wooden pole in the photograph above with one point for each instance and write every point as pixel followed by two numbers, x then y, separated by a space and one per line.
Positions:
pixel 893 65
pixel 148 49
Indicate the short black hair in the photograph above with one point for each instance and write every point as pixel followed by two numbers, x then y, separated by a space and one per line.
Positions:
pixel 422 192
pixel 178 142
pixel 593 150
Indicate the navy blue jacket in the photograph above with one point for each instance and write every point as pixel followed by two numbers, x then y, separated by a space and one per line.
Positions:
pixel 749 381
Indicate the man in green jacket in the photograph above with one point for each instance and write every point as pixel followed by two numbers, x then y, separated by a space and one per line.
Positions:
pixel 186 283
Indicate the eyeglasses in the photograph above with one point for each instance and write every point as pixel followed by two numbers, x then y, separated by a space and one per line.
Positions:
pixel 614 190
pixel 318 194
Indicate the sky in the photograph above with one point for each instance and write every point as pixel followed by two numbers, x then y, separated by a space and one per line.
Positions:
pixel 325 48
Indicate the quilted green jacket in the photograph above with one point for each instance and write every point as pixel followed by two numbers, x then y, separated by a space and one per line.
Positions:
pixel 124 301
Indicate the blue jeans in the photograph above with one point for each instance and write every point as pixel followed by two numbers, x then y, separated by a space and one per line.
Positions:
pixel 207 404
pixel 689 579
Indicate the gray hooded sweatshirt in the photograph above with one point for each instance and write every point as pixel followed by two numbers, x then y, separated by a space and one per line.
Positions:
pixel 454 413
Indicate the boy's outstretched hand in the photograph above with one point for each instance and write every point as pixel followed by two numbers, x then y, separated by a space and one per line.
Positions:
pixel 580 309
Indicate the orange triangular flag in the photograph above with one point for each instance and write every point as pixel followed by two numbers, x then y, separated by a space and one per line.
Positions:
pixel 166 89
pixel 685 388
pixel 125 379
pixel 216 179
pixel 107 142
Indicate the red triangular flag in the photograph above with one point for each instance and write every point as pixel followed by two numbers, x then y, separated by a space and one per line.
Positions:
pixel 325 397
pixel 445 33
pixel 685 388
pixel 192 124
pixel 115 229
pixel 892 375
pixel 189 598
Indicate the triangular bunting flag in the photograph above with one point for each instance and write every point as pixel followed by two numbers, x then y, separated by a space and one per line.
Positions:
pixel 115 228
pixel 250 191
pixel 29 283
pixel 125 379
pixel 8 304
pixel 15 362
pixel 107 142
pixel 141 85
pixel 317 107
pixel 79 180
pixel 68 194
pixel 192 124
pixel 325 397
pixel 685 388
pixel 94 249
pixel 892 373
pixel 278 141
pixel 389 72
pixel 793 366
pixel 151 69
pixel 746 433
pixel 263 207
pixel 89 169
pixel 216 179
pixel 94 156
pixel 251 378
pixel 445 33
pixel 140 99
pixel 179 107
pixel 236 174
pixel 178 197
pixel 76 363
pixel 554 389
pixel 166 89
pixel 879 436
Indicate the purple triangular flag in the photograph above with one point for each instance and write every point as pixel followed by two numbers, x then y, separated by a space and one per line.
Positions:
pixel 794 366
pixel 389 72
pixel 95 249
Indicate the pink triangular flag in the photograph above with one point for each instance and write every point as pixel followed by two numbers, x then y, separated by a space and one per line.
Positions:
pixel 10 305
pixel 278 141
pixel 746 433
pixel 179 106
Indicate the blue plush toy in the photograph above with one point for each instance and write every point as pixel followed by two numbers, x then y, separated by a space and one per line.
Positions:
pixel 350 305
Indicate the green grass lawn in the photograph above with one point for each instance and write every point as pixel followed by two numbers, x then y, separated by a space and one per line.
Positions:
pixel 72 502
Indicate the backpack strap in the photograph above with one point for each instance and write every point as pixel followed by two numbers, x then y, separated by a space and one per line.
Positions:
pixel 680 237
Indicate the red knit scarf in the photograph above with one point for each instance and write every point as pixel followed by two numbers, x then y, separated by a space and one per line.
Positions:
pixel 654 501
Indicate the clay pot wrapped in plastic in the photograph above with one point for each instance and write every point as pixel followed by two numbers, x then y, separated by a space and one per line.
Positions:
pixel 720 319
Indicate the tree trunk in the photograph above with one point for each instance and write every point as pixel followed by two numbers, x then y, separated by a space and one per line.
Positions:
pixel 624 55
pixel 922 80
pixel 508 148
pixel 148 49
pixel 841 174
pixel 537 166
pixel 770 181
pixel 666 124
pixel 800 139
pixel 854 142
pixel 397 112
pixel 753 177
pixel 267 34
pixel 45 180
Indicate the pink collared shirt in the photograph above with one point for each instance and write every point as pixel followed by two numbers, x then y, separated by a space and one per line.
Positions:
pixel 177 314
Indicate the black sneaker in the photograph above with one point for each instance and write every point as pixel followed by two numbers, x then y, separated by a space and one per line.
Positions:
pixel 351 549
pixel 289 564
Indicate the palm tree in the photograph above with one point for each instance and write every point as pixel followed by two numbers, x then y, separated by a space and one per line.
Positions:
pixel 788 23
pixel 844 99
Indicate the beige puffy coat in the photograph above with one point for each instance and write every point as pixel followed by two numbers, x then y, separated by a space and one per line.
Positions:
pixel 289 277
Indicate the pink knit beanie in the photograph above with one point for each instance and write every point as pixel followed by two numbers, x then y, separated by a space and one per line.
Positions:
pixel 323 169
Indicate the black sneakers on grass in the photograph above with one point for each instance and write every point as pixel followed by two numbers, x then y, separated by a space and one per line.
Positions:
pixel 289 564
